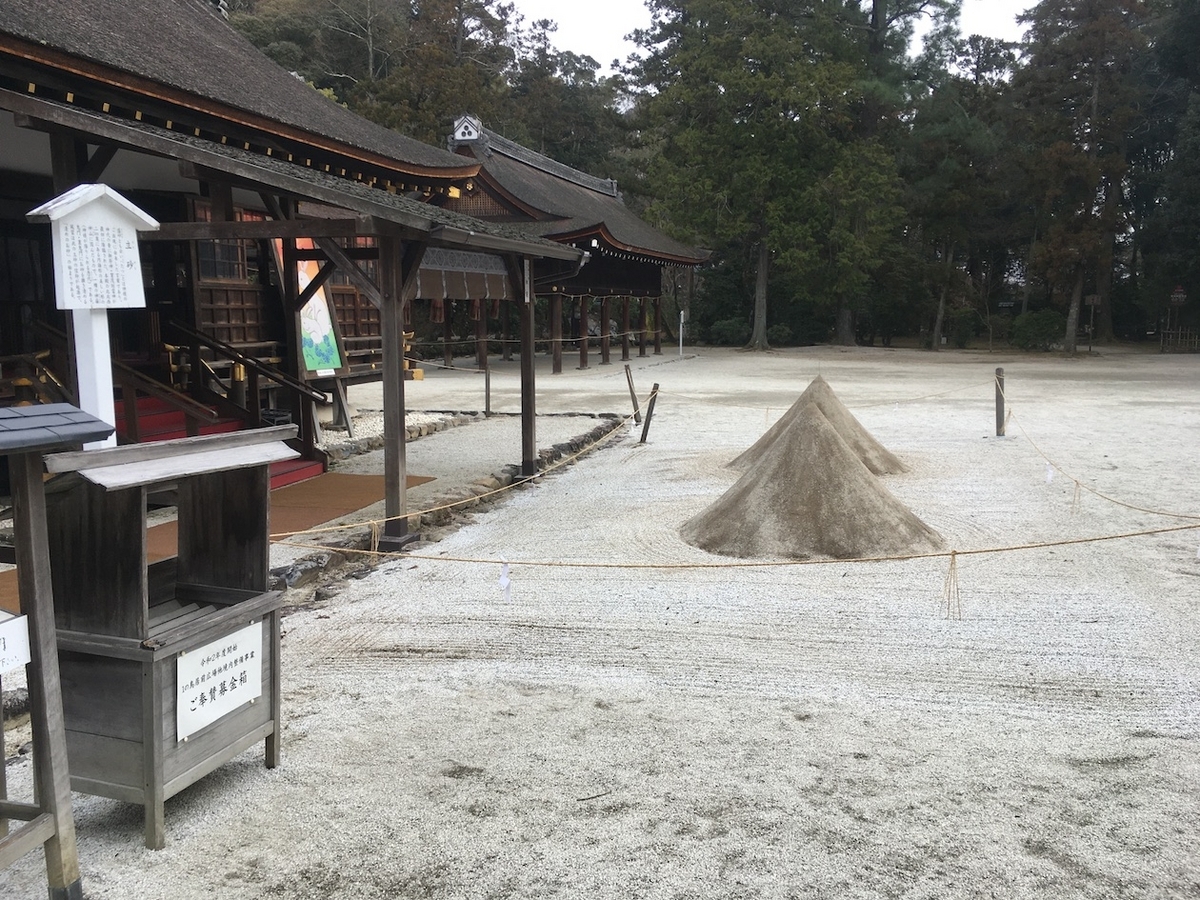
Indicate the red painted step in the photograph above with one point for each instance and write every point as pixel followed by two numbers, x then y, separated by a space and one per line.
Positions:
pixel 290 471
pixel 159 421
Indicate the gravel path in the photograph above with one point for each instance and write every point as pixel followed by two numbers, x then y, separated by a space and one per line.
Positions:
pixel 643 719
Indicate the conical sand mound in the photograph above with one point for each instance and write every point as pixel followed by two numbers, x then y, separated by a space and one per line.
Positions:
pixel 807 496
pixel 873 454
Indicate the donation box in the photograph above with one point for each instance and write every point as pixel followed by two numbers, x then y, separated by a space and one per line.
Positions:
pixel 168 639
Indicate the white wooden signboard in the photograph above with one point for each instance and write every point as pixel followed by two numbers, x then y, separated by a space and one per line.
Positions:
pixel 96 268
pixel 14 643
pixel 214 680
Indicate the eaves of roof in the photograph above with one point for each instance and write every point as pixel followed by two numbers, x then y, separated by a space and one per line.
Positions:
pixel 181 52
pixel 420 220
pixel 568 208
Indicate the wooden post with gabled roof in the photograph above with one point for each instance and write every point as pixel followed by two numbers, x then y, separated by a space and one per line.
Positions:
pixel 47 822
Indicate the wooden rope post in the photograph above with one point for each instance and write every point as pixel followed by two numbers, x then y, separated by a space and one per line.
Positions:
pixel 637 413
pixel 999 402
pixel 649 413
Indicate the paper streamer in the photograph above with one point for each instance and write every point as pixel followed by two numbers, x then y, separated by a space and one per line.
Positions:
pixel 1049 473
pixel 505 581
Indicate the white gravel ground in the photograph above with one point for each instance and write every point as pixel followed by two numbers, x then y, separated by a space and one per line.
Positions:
pixel 642 719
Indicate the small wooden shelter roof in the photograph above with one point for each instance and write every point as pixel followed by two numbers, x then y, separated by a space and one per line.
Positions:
pixel 182 54
pixel 167 461
pixel 567 205
pixel 51 426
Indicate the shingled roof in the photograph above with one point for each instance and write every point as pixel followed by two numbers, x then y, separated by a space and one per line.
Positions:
pixel 440 226
pixel 186 46
pixel 567 204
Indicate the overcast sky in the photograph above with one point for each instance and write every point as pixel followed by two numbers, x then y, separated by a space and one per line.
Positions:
pixel 598 29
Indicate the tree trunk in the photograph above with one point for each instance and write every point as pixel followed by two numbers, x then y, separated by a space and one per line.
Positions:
pixel 758 337
pixel 844 335
pixel 1104 263
pixel 1073 312
pixel 948 249
pixel 1028 285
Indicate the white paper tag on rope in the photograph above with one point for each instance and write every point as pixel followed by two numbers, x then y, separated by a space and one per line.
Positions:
pixel 505 581
pixel 1049 473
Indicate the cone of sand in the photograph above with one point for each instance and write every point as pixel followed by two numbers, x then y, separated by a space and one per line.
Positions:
pixel 874 455
pixel 809 495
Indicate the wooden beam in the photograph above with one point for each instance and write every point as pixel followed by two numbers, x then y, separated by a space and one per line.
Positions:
pixel 391 281
pixel 252 231
pixel 520 274
pixel 97 163
pixel 323 275
pixel 351 269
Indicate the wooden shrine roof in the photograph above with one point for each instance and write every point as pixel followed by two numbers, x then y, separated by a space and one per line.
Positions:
pixel 569 205
pixel 440 227
pixel 184 54
pixel 52 426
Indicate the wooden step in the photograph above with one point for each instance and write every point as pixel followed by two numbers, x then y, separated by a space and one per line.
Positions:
pixel 290 471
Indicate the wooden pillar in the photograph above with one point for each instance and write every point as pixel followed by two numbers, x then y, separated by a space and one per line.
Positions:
pixel 642 327
pixel 583 332
pixel 505 346
pixel 391 283
pixel 66 159
pixel 529 451
pixel 658 329
pixel 448 333
pixel 624 329
pixel 605 331
pixel 481 343
pixel 52 779
pixel 556 333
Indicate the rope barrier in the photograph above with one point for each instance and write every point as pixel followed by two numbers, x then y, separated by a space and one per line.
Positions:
pixel 1079 485
pixel 951 592
pixel 702 400
pixel 952 555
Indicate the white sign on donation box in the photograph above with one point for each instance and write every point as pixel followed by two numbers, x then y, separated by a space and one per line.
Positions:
pixel 14 643
pixel 218 678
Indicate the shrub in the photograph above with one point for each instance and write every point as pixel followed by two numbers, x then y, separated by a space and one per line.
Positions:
pixel 779 335
pixel 1039 330
pixel 729 332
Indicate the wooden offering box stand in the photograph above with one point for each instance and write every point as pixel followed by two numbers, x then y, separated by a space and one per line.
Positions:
pixel 171 668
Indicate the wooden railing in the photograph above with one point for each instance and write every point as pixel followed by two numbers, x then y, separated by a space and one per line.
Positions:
pixel 132 382
pixel 28 379
pixel 248 377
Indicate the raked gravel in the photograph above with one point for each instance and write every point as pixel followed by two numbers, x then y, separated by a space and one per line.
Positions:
pixel 663 723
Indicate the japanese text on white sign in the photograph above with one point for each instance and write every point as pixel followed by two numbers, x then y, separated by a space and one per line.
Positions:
pixel 218 678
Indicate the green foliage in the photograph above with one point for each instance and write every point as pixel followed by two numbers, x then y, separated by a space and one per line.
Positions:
pixel 889 189
pixel 1041 330
pixel 729 332
pixel 779 335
